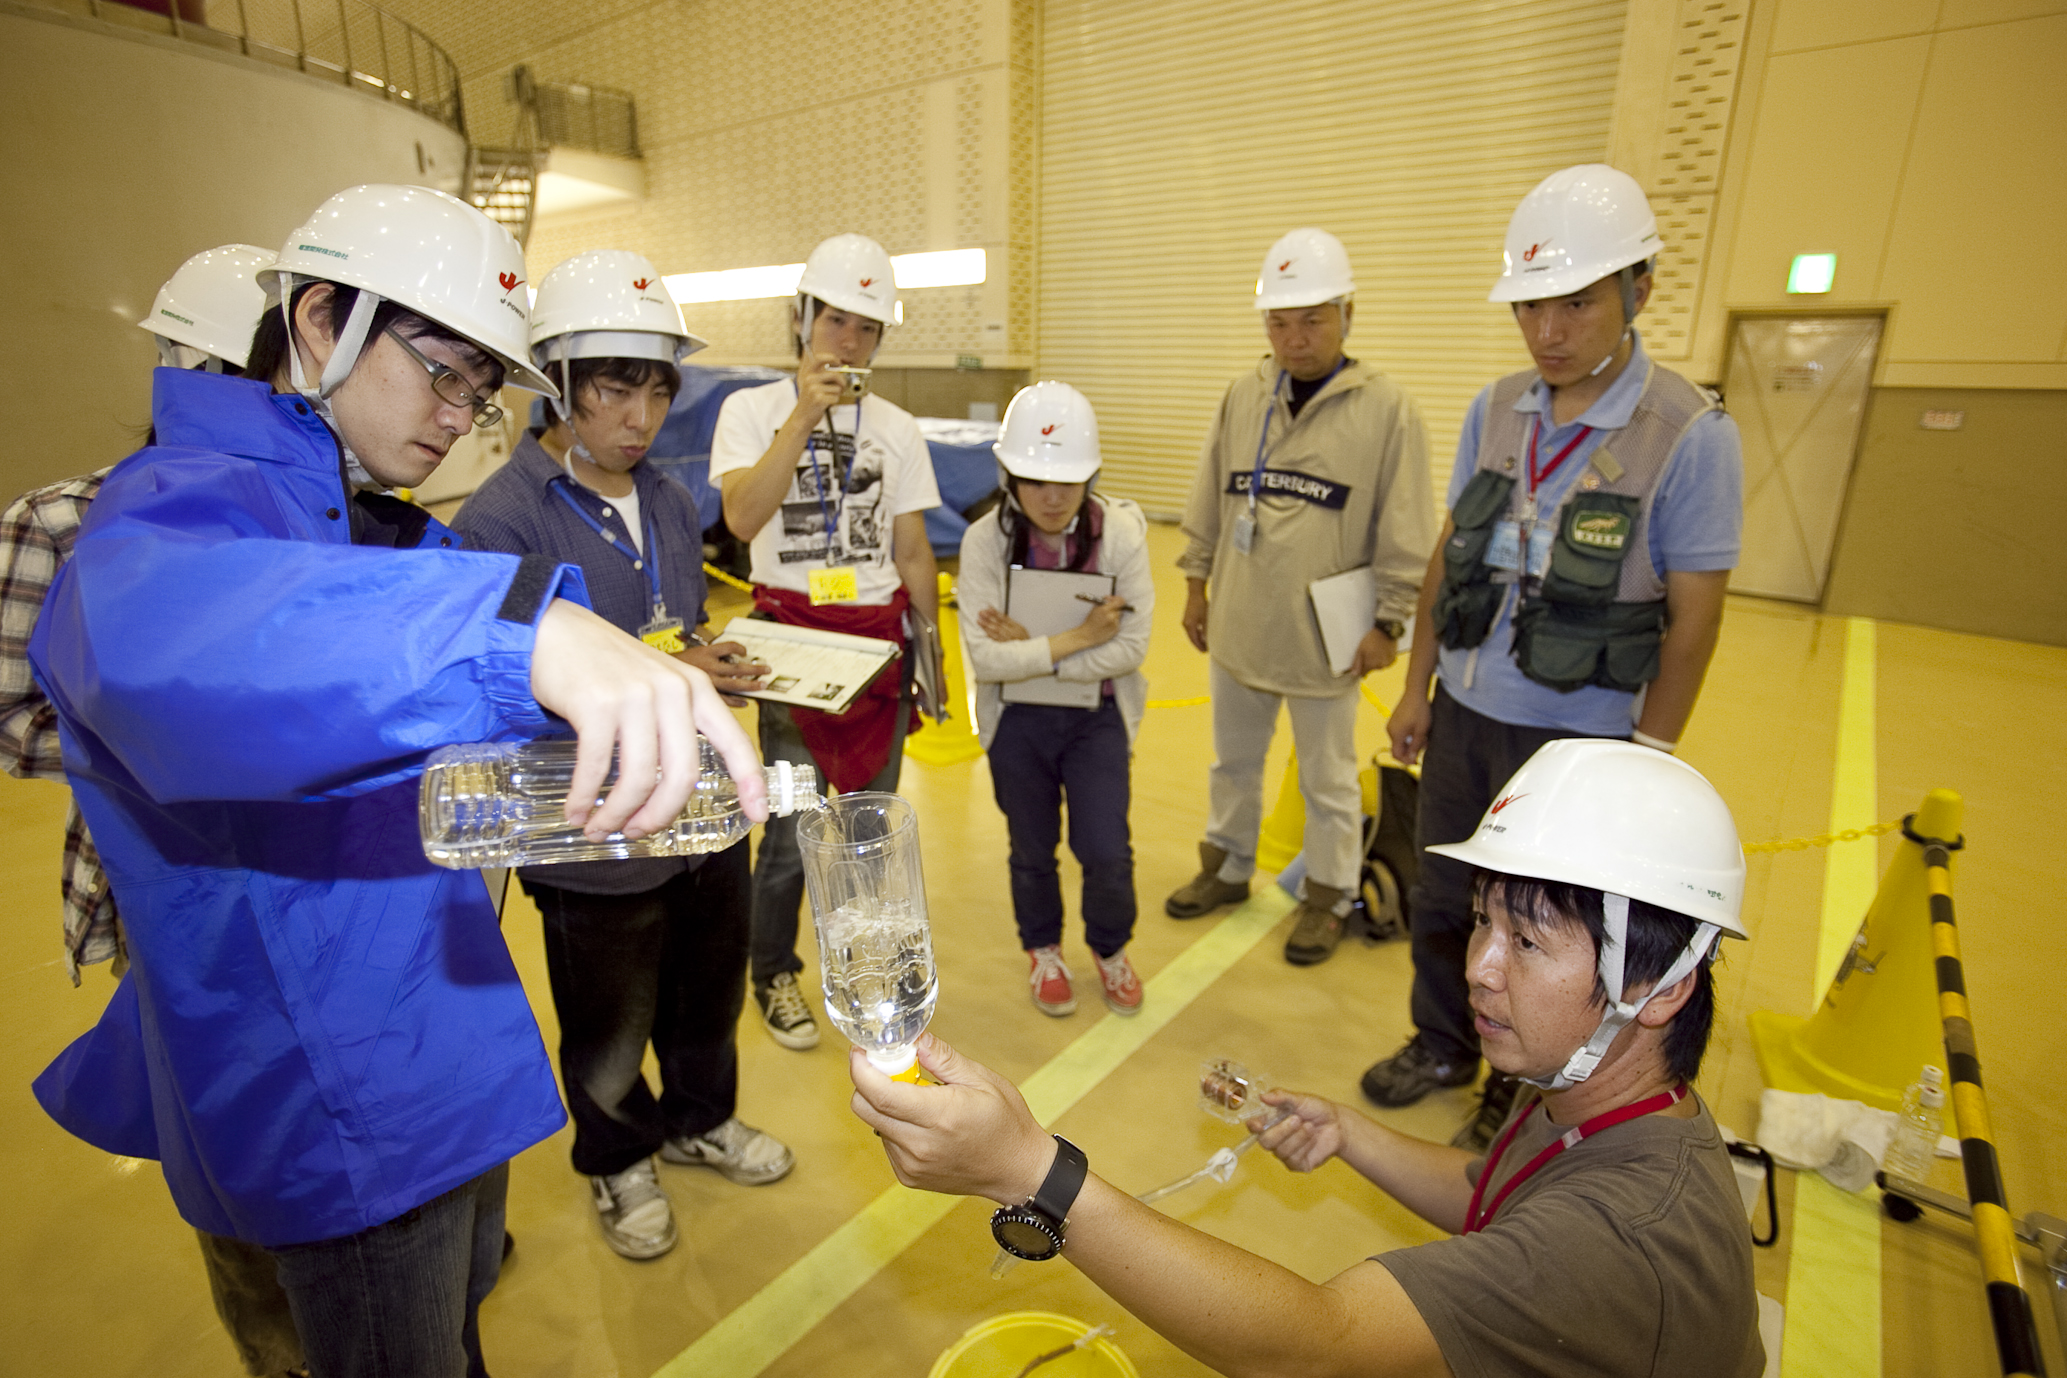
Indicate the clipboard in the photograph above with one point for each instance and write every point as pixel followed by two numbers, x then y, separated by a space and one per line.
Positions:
pixel 1343 605
pixel 1045 602
pixel 809 668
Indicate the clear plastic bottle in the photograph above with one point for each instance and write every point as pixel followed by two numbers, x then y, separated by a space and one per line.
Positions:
pixel 505 804
pixel 875 947
pixel 1917 1128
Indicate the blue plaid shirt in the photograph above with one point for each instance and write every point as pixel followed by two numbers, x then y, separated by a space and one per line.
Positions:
pixel 522 509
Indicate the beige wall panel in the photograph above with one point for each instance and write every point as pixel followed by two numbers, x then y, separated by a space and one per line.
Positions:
pixel 127 154
pixel 1983 201
pixel 1825 167
pixel 1958 529
pixel 1831 23
pixel 767 127
pixel 1956 14
pixel 1179 141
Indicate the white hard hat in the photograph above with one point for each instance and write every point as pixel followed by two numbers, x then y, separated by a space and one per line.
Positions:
pixel 851 272
pixel 1575 228
pixel 1618 817
pixel 1305 268
pixel 607 304
pixel 211 306
pixel 427 251
pixel 1050 435
pixel 1633 823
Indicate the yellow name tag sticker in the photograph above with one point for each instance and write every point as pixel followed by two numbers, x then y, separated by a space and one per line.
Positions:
pixel 665 639
pixel 834 585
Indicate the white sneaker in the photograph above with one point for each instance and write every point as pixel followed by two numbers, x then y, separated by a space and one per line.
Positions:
pixel 633 1211
pixel 746 1155
pixel 783 1010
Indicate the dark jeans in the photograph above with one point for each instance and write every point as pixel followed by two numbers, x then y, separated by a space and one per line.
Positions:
pixel 245 1282
pixel 779 869
pixel 403 1299
pixel 1041 756
pixel 665 966
pixel 1469 757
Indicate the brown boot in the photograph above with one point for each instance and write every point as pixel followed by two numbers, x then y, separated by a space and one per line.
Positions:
pixel 1319 926
pixel 1206 891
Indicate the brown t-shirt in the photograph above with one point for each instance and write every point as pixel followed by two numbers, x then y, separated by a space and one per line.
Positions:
pixel 1627 1254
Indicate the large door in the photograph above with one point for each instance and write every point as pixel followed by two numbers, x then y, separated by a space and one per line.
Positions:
pixel 1798 390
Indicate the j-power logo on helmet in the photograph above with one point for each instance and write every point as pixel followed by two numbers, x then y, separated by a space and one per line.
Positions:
pixel 1048 429
pixel 510 282
pixel 1529 254
pixel 1489 825
pixel 641 284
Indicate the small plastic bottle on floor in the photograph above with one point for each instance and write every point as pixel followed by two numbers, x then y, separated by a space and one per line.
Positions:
pixel 1917 1128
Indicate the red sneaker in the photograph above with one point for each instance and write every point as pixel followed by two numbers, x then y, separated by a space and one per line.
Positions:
pixel 1122 986
pixel 1050 981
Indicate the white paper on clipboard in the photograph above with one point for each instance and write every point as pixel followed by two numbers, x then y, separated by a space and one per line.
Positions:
pixel 1344 605
pixel 1045 602
pixel 810 668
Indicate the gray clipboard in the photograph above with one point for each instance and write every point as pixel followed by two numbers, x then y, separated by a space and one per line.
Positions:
pixel 1045 602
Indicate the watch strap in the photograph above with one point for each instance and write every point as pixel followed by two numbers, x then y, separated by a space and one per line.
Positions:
pixel 1064 1180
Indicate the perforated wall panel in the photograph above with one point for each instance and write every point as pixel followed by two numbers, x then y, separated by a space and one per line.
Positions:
pixel 1701 91
pixel 1179 141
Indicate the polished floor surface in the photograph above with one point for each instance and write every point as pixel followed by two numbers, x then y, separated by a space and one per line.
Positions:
pixel 838 1271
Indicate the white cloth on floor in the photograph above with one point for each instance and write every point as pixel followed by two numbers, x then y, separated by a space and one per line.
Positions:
pixel 1842 1139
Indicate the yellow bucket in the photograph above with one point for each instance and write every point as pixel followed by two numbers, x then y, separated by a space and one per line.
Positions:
pixel 1003 1345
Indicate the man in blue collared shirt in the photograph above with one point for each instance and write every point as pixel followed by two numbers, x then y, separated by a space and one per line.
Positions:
pixel 1594 517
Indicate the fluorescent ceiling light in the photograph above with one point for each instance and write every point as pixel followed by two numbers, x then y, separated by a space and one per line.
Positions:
pixel 947 268
pixel 1812 273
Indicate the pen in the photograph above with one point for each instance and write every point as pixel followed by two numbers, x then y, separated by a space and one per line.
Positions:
pixel 1087 598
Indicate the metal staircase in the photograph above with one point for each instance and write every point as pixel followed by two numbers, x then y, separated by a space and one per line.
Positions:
pixel 503 182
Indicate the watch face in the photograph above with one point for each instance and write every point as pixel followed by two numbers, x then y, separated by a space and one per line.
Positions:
pixel 1018 1234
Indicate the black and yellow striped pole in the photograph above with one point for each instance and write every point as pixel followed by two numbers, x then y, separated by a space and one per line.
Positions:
pixel 1995 1233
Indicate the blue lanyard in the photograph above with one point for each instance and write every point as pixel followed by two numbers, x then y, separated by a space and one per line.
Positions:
pixel 828 512
pixel 650 563
pixel 1270 411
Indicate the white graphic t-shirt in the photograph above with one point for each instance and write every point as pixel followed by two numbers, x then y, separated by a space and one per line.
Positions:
pixel 847 489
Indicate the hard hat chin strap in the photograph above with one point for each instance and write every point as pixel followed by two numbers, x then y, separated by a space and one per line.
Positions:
pixel 1613 948
pixel 351 342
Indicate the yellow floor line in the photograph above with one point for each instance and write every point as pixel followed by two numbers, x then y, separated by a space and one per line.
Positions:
pixel 1850 874
pixel 755 1334
pixel 1833 1262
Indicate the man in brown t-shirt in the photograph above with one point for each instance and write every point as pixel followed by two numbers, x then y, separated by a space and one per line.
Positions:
pixel 1601 1235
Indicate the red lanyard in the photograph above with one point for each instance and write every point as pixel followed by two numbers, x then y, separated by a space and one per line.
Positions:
pixel 1475 1220
pixel 1536 474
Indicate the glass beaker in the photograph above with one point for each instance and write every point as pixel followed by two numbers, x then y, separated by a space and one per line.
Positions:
pixel 868 903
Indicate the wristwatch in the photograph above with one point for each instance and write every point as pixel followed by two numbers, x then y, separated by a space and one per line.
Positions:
pixel 1033 1231
pixel 1391 626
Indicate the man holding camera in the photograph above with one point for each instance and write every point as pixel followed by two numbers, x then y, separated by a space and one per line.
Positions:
pixel 1317 466
pixel 829 485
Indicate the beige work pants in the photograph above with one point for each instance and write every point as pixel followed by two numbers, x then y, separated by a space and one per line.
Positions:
pixel 1324 735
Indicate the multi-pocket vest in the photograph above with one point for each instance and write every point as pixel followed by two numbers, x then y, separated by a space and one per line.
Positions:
pixel 1598 614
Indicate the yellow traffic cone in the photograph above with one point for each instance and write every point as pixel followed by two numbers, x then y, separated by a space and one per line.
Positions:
pixel 952 741
pixel 1879 1022
pixel 1284 832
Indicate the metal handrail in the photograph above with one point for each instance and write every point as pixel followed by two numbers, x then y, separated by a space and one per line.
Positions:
pixel 412 71
pixel 601 119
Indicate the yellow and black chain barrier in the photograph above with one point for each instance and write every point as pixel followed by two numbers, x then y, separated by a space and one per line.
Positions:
pixel 1995 1233
pixel 1792 844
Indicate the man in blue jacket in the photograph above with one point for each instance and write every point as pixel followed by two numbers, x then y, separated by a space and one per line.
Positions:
pixel 323 1037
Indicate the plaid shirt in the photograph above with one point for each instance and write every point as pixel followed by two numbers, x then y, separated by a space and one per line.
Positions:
pixel 36 535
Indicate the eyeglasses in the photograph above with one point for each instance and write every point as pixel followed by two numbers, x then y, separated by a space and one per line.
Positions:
pixel 451 385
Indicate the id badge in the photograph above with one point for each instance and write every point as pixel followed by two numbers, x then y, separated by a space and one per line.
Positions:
pixel 1504 551
pixel 834 584
pixel 1541 536
pixel 664 634
pixel 1244 533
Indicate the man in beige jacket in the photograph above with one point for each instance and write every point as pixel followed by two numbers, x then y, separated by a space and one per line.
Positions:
pixel 1316 465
